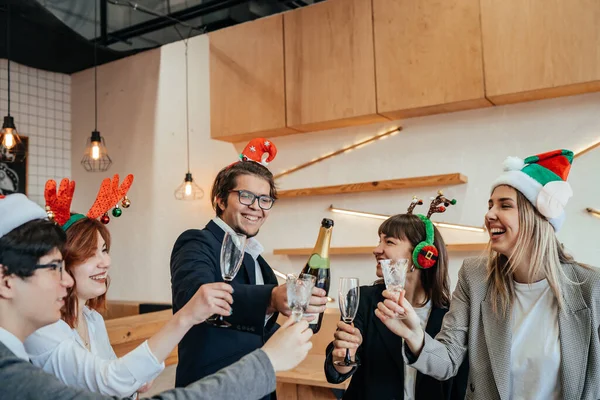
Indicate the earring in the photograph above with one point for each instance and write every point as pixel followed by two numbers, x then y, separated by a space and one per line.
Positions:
pixel 412 268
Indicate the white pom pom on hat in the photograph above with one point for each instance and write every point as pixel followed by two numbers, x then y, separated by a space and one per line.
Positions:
pixel 513 164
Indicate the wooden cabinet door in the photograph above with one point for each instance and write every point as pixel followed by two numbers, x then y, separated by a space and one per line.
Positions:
pixel 536 49
pixel 329 65
pixel 428 56
pixel 247 86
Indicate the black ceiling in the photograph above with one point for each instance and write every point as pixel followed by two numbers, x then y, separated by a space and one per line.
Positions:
pixel 59 35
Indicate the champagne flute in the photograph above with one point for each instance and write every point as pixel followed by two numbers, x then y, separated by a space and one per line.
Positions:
pixel 232 255
pixel 394 275
pixel 299 290
pixel 349 297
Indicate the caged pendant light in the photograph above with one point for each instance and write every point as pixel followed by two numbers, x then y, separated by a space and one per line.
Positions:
pixel 12 148
pixel 96 158
pixel 188 190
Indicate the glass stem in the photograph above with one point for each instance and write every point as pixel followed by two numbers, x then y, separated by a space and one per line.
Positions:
pixel 347 359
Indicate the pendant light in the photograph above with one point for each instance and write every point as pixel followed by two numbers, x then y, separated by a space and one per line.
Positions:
pixel 12 148
pixel 96 158
pixel 188 190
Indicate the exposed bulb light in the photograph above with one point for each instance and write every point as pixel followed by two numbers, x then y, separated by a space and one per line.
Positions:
pixel 95 151
pixel 384 217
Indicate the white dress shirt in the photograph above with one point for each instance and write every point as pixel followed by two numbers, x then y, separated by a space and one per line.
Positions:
pixel 59 350
pixel 14 344
pixel 254 248
pixel 410 373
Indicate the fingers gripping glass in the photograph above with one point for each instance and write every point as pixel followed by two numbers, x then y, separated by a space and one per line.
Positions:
pixel 248 198
pixel 349 297
pixel 55 266
pixel 232 255
pixel 299 290
pixel 394 275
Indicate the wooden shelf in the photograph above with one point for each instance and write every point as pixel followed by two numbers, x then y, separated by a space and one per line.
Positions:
pixel 348 251
pixel 393 184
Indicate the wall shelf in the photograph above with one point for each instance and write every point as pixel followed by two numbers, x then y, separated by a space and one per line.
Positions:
pixel 392 184
pixel 361 250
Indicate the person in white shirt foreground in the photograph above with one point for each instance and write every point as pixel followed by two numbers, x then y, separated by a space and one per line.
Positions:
pixel 529 315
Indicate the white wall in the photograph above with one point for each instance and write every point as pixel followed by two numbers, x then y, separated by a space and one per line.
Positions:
pixel 142 119
pixel 41 106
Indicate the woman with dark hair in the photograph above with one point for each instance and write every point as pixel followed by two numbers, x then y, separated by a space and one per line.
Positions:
pixel 381 373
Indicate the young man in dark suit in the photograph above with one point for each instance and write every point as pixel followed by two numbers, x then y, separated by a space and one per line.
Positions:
pixel 242 195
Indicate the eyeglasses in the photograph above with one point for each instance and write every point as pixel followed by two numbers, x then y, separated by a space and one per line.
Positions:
pixel 247 198
pixel 60 266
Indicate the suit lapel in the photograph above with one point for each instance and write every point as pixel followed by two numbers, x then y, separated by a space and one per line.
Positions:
pixel 434 325
pixel 267 272
pixel 392 342
pixel 498 336
pixel 574 322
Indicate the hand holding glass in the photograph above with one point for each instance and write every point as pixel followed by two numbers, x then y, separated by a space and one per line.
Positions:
pixel 299 291
pixel 232 255
pixel 349 297
pixel 394 275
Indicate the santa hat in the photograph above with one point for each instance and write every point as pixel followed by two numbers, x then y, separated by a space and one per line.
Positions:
pixel 259 150
pixel 16 210
pixel 543 181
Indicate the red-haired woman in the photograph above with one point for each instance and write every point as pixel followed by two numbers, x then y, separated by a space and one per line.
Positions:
pixel 77 349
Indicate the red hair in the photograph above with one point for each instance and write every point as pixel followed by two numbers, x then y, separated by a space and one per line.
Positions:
pixel 82 243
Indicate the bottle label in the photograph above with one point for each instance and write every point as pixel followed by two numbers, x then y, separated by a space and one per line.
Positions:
pixel 316 261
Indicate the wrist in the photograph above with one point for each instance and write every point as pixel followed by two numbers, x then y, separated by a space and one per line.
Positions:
pixel 184 320
pixel 416 341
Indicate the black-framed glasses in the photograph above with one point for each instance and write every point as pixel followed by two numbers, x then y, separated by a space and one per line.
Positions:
pixel 248 198
pixel 60 266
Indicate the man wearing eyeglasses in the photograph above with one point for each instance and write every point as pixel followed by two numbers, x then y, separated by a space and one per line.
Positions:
pixel 243 195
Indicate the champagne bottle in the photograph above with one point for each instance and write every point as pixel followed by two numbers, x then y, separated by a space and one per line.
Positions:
pixel 318 265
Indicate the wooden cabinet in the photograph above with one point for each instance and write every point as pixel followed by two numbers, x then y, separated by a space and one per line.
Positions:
pixel 329 65
pixel 536 49
pixel 247 85
pixel 428 57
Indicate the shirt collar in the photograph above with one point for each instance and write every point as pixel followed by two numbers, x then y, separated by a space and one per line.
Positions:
pixel 13 344
pixel 253 246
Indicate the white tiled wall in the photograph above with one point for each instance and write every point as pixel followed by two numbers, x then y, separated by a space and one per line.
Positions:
pixel 40 102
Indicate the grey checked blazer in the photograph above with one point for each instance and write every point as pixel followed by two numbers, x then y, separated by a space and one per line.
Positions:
pixel 472 327
pixel 252 377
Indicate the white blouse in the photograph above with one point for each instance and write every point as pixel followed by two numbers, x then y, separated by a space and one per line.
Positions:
pixel 59 350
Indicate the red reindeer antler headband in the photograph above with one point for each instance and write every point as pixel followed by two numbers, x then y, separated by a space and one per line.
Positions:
pixel 58 204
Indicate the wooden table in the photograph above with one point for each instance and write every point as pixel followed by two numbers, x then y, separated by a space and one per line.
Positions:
pixel 307 381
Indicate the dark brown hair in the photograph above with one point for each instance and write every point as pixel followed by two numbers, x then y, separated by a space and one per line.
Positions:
pixel 226 180
pixel 435 280
pixel 82 243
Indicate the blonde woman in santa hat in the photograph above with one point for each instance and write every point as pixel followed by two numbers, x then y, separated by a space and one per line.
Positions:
pixel 528 316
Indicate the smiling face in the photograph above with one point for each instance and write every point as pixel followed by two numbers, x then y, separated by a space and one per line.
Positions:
pixel 91 275
pixel 241 218
pixel 391 248
pixel 502 220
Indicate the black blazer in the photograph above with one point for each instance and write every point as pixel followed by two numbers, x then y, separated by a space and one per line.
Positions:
pixel 206 349
pixel 381 371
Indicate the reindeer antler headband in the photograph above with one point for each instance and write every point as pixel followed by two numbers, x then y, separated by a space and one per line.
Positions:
pixel 58 204
pixel 425 254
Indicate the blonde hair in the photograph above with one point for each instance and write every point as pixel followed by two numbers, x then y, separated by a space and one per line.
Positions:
pixel 537 241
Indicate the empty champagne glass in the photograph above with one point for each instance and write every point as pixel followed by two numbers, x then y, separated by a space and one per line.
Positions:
pixel 299 290
pixel 232 255
pixel 349 297
pixel 394 275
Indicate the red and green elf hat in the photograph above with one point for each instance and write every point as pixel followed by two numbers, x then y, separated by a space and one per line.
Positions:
pixel 543 181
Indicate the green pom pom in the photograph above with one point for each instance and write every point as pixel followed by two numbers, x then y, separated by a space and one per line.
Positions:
pixel 453 201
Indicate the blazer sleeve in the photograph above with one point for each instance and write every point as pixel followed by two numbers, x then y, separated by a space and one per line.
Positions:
pixel 332 374
pixel 459 383
pixel 252 377
pixel 54 349
pixel 194 262
pixel 442 357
